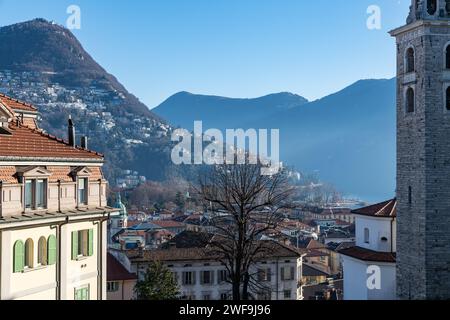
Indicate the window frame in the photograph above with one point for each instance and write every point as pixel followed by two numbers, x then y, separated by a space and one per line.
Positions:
pixel 33 184
pixel 85 191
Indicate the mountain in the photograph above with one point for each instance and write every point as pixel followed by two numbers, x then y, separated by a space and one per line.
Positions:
pixel 348 138
pixel 43 63
pixel 51 49
pixel 183 108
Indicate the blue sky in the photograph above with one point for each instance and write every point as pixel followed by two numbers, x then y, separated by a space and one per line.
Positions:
pixel 235 48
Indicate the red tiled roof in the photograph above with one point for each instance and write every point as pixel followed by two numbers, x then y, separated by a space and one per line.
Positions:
pixel 116 271
pixel 387 209
pixel 16 104
pixel 31 143
pixel 369 255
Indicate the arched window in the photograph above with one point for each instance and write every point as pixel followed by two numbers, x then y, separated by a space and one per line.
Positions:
pixel 19 256
pixel 447 98
pixel 51 247
pixel 410 61
pixel 29 254
pixel 447 6
pixel 447 57
pixel 366 235
pixel 431 7
pixel 410 100
pixel 42 251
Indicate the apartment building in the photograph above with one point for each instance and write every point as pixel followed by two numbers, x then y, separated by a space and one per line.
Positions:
pixel 53 212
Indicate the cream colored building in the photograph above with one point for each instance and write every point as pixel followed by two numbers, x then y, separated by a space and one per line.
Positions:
pixel 53 212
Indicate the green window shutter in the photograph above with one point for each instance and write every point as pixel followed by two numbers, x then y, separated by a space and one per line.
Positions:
pixel 19 256
pixel 51 247
pixel 91 243
pixel 74 245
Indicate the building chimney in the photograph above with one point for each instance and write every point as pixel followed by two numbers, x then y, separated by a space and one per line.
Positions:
pixel 71 132
pixel 84 142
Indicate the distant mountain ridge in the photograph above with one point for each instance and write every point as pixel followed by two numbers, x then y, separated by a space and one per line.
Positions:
pixel 348 137
pixel 222 113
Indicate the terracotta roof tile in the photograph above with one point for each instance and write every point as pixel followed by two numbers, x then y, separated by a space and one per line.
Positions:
pixel 8 174
pixel 16 104
pixel 31 143
pixel 60 174
pixel 387 209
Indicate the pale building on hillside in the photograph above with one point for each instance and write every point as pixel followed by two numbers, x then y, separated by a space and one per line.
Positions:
pixel 370 266
pixel 53 212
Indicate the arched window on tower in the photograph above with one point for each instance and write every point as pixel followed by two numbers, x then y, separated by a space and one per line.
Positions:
pixel 447 98
pixel 447 57
pixel 447 6
pixel 410 60
pixel 410 104
pixel 431 7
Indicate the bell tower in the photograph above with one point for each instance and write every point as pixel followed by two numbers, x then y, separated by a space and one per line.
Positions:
pixel 423 151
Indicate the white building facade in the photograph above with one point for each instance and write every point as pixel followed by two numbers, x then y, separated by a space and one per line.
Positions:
pixel 53 213
pixel 370 266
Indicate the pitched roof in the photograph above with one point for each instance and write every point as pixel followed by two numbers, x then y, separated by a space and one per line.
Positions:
pixel 116 271
pixel 209 254
pixel 15 104
pixel 313 271
pixel 387 209
pixel 168 224
pixel 369 255
pixel 32 143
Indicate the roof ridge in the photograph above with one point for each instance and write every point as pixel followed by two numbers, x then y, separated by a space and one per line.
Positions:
pixel 54 138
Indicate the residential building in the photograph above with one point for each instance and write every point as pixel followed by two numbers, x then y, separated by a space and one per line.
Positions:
pixel 374 254
pixel 120 284
pixel 53 212
pixel 201 275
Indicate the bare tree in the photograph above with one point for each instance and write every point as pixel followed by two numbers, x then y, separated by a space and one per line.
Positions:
pixel 244 204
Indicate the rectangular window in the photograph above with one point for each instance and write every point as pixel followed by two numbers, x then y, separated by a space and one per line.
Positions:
pixel 206 277
pixel 82 191
pixel 287 294
pixel 82 294
pixel 223 276
pixel 188 278
pixel 82 244
pixel 224 296
pixel 29 194
pixel 264 275
pixel 287 273
pixel 113 286
pixel 35 194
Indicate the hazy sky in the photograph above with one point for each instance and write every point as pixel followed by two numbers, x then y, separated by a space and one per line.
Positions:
pixel 235 48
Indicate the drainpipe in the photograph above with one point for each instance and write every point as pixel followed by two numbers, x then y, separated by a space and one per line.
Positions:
pixel 100 256
pixel 59 195
pixel 58 250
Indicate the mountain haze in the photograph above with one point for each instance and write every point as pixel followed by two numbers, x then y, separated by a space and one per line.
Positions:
pixel 348 137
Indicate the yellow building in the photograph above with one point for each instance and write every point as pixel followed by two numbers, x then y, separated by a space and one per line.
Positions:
pixel 53 212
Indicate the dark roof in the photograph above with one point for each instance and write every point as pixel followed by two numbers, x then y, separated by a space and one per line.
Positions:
pixel 369 255
pixel 309 243
pixel 116 271
pixel 387 209
pixel 311 271
pixel 188 239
